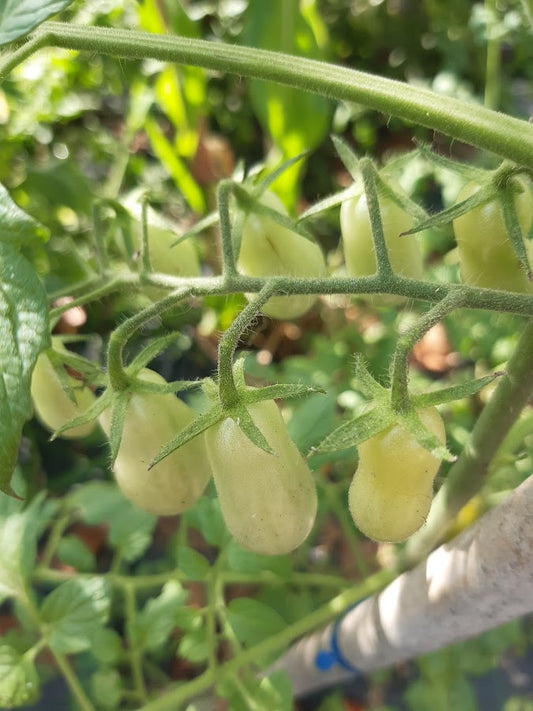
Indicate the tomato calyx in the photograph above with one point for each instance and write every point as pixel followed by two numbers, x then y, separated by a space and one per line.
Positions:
pixel 237 411
pixel 380 414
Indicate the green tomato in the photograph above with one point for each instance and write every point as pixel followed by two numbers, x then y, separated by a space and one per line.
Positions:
pixel 268 501
pixel 181 260
pixel 392 489
pixel 53 406
pixel 486 256
pixel 269 249
pixel 176 482
pixel 404 252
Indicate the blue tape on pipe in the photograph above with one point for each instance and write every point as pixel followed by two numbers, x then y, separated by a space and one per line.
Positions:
pixel 328 658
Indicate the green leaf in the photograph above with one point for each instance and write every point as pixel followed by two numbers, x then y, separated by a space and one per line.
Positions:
pixel 72 551
pixel 157 619
pixel 206 517
pixel 19 682
pixel 16 226
pixel 192 564
pixel 18 17
pixel 244 561
pixel 130 529
pixel 194 645
pixel 74 611
pixel 106 646
pixel 106 688
pixel 24 329
pixel 253 621
pixel 19 529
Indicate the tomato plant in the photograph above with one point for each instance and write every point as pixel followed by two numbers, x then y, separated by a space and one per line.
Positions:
pixel 356 229
pixel 151 420
pixel 268 500
pixel 270 249
pixel 486 256
pixel 392 489
pixel 53 405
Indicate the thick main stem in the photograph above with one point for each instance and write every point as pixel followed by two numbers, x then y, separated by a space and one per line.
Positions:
pixel 508 137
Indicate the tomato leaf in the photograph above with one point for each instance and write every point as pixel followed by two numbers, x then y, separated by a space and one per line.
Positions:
pixel 16 226
pixel 106 688
pixel 24 328
pixel 19 528
pixel 19 681
pixel 157 619
pixel 18 17
pixel 74 611
pixel 130 529
pixel 192 564
pixel 253 621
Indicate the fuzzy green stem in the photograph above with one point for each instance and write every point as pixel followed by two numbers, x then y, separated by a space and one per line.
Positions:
pixel 468 474
pixel 118 377
pixel 372 201
pixel 506 136
pixel 228 255
pixel 324 614
pixel 493 61
pixel 72 681
pixel 134 650
pixel 400 399
pixel 227 389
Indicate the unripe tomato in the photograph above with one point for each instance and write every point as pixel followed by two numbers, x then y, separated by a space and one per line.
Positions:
pixel 53 405
pixel 404 252
pixel 392 489
pixel 181 260
pixel 176 482
pixel 268 501
pixel 486 256
pixel 269 249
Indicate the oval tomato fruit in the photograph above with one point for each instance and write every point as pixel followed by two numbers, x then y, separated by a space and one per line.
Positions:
pixel 392 489
pixel 176 482
pixel 268 501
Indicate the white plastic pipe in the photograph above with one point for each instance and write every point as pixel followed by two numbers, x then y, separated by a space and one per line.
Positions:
pixel 477 581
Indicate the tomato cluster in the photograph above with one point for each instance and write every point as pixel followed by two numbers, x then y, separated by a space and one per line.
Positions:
pixel 269 500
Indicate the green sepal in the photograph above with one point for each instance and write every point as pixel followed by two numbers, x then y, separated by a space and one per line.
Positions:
pixel 174 386
pixel 368 385
pixel 96 409
pixel 483 195
pixel 510 218
pixel 356 431
pixel 265 183
pixel 151 351
pixel 119 404
pixel 244 420
pixel 454 392
pixel 400 198
pixel 348 157
pixel 197 228
pixel 196 427
pixel 278 391
pixel 426 439
pixel 356 188
pixel 468 172
pixel 249 203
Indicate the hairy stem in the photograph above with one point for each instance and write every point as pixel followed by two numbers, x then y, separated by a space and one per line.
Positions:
pixel 504 135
